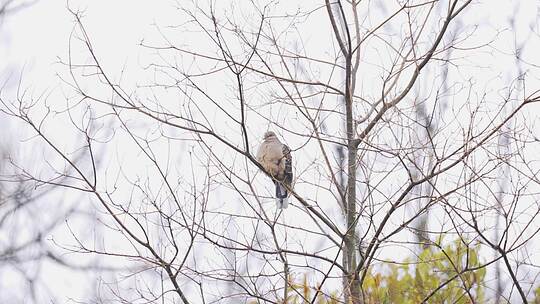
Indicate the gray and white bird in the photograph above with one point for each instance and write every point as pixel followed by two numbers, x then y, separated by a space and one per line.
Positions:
pixel 276 159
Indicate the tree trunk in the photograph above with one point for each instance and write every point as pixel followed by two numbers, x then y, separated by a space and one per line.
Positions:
pixel 350 212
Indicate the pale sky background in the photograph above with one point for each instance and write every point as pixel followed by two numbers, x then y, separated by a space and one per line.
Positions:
pixel 32 40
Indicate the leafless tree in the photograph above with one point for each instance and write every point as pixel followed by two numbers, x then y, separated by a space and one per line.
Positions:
pixel 380 108
pixel 32 213
pixel 23 246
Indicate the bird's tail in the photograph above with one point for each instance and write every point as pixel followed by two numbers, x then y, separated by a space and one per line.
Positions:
pixel 281 196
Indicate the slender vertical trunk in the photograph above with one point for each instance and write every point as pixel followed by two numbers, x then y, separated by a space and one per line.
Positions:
pixel 504 150
pixel 498 278
pixel 422 156
pixel 351 280
pixel 286 282
pixel 352 149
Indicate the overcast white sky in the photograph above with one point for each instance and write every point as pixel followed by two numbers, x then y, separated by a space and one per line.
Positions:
pixel 35 37
pixel 32 40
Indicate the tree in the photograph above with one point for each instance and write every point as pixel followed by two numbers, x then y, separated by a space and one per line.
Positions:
pixel 361 106
pixel 31 214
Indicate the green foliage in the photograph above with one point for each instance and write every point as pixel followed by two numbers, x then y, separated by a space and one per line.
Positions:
pixel 414 280
pixel 445 269
pixel 537 295
pixel 300 291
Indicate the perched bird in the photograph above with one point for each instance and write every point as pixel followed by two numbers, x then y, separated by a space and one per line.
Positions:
pixel 276 159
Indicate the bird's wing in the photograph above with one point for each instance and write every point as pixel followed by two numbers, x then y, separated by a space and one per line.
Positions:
pixel 288 175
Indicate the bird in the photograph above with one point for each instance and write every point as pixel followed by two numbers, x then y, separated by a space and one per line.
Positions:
pixel 276 159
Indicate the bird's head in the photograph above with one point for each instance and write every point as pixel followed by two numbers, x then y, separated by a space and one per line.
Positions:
pixel 269 134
